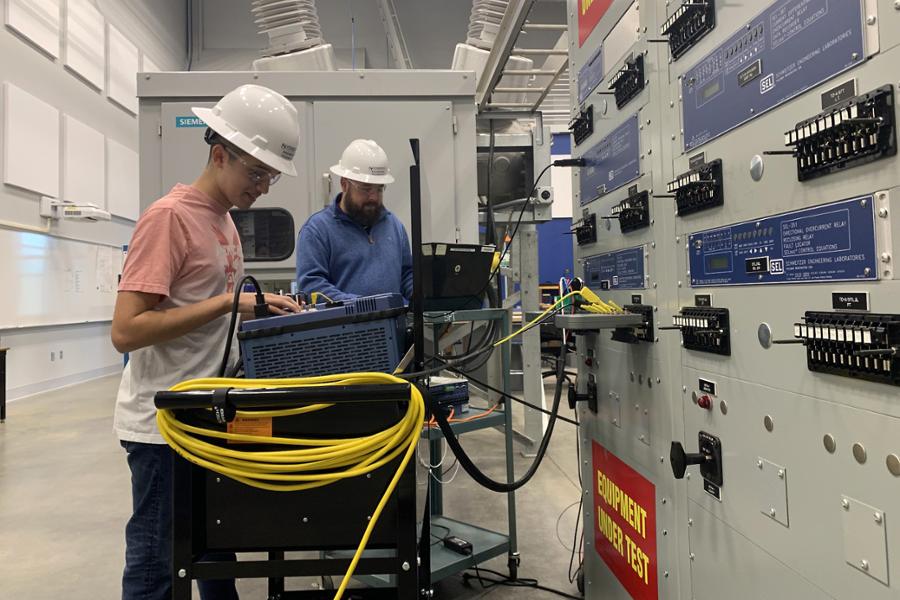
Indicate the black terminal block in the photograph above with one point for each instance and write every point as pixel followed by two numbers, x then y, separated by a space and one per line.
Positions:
pixel 709 458
pixel 582 126
pixel 852 344
pixel 698 189
pixel 633 212
pixel 635 335
pixel 628 81
pixel 586 230
pixel 688 24
pixel 853 133
pixel 704 329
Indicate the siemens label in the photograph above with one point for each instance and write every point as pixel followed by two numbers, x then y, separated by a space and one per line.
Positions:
pixel 792 46
pixel 620 270
pixel 189 122
pixel 833 242
pixel 612 163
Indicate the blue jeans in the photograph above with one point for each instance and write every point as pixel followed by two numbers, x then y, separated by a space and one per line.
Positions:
pixel 148 535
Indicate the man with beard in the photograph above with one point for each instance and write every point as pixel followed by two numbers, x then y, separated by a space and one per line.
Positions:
pixel 356 247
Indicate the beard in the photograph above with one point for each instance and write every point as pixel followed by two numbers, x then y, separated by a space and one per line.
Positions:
pixel 365 214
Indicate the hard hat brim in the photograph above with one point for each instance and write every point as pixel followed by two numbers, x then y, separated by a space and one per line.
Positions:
pixel 220 126
pixel 361 177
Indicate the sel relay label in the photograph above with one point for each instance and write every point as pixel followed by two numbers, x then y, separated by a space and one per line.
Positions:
pixel 790 47
pixel 832 242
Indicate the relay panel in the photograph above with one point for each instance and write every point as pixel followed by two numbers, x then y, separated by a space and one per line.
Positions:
pixel 792 46
pixel 642 333
pixel 832 242
pixel 688 24
pixel 698 189
pixel 705 329
pixel 629 81
pixel 582 126
pixel 620 270
pixel 633 212
pixel 853 133
pixel 852 344
pixel 613 162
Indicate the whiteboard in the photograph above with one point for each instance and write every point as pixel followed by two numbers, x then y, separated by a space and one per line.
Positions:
pixel 123 68
pixel 122 197
pixel 83 165
pixel 37 21
pixel 84 41
pixel 55 281
pixel 31 143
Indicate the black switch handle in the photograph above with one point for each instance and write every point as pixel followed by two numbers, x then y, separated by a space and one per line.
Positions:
pixel 681 460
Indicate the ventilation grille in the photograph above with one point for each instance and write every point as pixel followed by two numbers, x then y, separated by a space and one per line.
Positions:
pixel 338 349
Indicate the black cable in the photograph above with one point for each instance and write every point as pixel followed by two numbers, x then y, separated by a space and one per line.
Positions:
pixel 234 313
pixel 487 582
pixel 475 473
pixel 515 399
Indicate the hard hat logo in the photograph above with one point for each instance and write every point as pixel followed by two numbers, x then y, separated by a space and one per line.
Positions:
pixel 364 161
pixel 259 121
pixel 287 152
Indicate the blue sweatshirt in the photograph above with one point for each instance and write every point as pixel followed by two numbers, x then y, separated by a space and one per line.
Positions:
pixel 341 259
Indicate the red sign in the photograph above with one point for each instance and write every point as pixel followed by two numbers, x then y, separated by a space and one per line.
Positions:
pixel 625 526
pixel 589 14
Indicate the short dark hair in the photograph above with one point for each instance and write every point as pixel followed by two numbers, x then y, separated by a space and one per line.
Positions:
pixel 214 139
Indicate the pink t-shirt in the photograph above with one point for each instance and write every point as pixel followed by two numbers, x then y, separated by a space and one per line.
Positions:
pixel 186 249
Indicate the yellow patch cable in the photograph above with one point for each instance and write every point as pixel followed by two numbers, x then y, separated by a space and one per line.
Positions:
pixel 287 470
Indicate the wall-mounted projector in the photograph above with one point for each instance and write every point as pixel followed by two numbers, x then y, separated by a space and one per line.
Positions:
pixel 52 208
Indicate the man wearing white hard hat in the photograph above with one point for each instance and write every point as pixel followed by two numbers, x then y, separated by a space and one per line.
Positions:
pixel 355 246
pixel 173 305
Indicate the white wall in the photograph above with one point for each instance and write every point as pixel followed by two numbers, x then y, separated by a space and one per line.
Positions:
pixel 158 29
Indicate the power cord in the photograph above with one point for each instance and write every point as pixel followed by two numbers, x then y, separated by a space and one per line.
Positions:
pixel 526 582
pixel 476 473
pixel 261 309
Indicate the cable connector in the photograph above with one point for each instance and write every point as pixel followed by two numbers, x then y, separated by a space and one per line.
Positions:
pixel 261 309
pixel 569 162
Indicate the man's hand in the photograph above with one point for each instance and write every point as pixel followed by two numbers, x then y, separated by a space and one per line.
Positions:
pixel 278 305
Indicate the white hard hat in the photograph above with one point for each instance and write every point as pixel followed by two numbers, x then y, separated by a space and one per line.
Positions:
pixel 259 121
pixel 365 161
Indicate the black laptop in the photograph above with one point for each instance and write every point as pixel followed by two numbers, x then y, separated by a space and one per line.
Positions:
pixel 455 275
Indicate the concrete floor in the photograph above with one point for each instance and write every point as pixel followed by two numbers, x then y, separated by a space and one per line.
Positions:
pixel 65 498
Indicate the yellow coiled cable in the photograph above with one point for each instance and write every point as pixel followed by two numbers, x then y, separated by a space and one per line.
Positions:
pixel 289 470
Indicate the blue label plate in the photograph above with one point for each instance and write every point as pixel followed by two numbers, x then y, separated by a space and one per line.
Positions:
pixel 619 270
pixel 613 162
pixel 832 242
pixel 590 74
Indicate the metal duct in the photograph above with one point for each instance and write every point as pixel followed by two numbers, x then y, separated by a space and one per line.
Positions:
pixel 291 25
pixel 484 21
